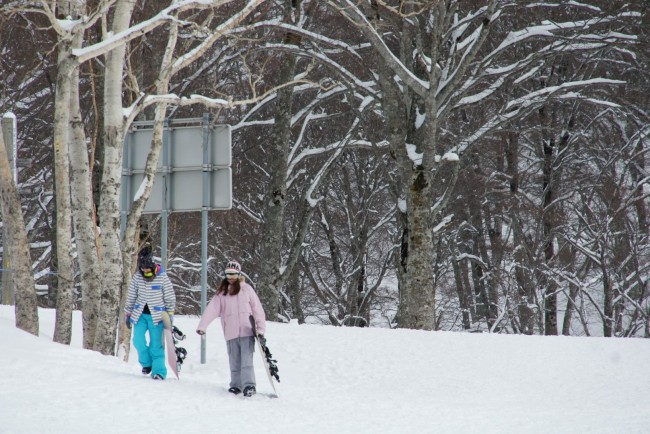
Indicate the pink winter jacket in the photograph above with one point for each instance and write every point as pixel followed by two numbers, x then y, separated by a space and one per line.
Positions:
pixel 234 311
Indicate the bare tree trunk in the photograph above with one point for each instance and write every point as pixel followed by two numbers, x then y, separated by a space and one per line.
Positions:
pixel 357 291
pixel 65 281
pixel 295 295
pixel 638 170
pixel 128 268
pixel 272 228
pixel 550 297
pixel 419 275
pixel 525 290
pixel 608 302
pixel 109 211
pixel 571 303
pixel 480 292
pixel 463 299
pixel 26 308
pixel 84 222
pixel 487 268
pixel 400 266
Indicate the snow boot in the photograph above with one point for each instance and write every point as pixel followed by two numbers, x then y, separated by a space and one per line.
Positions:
pixel 234 390
pixel 146 370
pixel 249 391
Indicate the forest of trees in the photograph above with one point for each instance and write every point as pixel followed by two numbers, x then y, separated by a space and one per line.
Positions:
pixel 432 164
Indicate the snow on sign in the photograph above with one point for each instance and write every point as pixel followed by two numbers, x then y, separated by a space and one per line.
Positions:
pixel 193 169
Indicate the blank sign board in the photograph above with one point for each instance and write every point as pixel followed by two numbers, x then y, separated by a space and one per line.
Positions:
pixel 193 168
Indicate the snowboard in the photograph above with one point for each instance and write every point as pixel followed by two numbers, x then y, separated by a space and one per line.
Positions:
pixel 175 355
pixel 267 358
pixel 170 349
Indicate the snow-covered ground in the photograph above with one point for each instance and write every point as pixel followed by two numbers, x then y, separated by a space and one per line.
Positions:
pixel 334 380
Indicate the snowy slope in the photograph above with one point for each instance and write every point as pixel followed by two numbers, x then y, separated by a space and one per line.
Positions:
pixel 334 380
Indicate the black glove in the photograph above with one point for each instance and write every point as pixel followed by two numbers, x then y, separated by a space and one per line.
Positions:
pixel 201 332
pixel 128 321
pixel 262 339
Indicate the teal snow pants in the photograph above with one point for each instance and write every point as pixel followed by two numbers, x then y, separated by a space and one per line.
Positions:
pixel 153 354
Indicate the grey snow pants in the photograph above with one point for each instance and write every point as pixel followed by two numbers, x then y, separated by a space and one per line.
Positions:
pixel 240 357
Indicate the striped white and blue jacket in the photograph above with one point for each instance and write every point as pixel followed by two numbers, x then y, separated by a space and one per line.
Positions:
pixel 157 293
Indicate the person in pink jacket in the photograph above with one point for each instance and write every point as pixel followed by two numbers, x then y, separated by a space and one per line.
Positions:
pixel 234 302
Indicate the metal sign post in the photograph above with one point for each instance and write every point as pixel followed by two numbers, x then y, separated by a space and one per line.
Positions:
pixel 8 130
pixel 204 223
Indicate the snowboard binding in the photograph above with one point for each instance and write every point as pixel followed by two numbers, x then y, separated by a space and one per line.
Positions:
pixel 273 367
pixel 178 335
pixel 181 353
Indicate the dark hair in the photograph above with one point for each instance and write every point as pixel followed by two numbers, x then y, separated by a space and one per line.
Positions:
pixel 223 288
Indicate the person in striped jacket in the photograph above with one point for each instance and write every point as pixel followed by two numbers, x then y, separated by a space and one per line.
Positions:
pixel 151 295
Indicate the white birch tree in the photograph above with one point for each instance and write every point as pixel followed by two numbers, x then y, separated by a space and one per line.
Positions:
pixel 109 207
pixel 26 308
pixel 70 21
pixel 70 37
